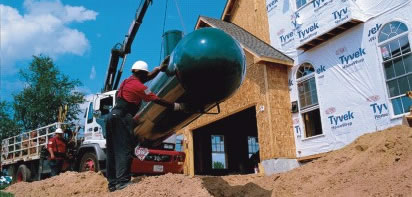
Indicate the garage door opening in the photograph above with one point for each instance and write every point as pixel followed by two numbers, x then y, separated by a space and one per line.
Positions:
pixel 227 146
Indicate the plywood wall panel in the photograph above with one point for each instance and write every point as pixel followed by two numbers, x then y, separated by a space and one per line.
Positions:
pixel 251 16
pixel 280 110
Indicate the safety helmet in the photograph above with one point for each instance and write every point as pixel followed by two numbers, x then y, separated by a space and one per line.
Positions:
pixel 58 130
pixel 140 65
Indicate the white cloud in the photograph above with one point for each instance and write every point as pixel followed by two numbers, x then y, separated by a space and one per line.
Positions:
pixel 42 28
pixel 93 73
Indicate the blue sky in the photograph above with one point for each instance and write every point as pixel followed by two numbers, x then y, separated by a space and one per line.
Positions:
pixel 78 35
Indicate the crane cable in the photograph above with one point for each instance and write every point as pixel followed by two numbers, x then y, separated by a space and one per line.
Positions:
pixel 163 31
pixel 180 17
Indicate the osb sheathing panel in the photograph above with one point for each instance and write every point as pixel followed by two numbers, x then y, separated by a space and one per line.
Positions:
pixel 281 117
pixel 251 15
pixel 188 167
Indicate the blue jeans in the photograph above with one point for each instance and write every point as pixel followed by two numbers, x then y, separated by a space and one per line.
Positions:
pixel 118 148
pixel 56 166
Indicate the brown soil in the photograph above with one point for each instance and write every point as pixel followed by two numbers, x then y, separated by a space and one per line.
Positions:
pixel 377 164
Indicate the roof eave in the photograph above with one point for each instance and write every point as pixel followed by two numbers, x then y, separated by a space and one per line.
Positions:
pixel 258 58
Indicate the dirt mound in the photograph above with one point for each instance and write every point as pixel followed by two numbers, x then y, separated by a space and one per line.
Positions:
pixel 95 184
pixel 377 164
pixel 166 185
pixel 66 184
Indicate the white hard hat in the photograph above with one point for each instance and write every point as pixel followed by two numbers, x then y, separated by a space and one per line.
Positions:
pixel 140 65
pixel 58 130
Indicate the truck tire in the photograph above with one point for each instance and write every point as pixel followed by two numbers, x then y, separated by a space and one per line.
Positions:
pixel 89 162
pixel 23 174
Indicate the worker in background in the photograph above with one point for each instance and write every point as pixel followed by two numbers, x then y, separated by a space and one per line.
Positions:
pixel 57 152
pixel 119 141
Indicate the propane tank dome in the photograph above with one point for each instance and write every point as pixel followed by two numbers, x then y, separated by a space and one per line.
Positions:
pixel 209 64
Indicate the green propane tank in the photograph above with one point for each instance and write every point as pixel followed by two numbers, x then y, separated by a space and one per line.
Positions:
pixel 170 40
pixel 206 67
pixel 209 64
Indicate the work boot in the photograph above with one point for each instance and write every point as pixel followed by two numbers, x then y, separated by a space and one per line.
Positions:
pixel 112 188
pixel 121 186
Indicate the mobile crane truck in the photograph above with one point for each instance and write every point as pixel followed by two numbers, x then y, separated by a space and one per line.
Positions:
pixel 206 67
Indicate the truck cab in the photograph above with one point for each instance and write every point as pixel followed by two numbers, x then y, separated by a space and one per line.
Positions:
pixel 97 110
pixel 91 154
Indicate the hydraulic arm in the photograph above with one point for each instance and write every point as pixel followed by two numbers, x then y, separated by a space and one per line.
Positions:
pixel 122 50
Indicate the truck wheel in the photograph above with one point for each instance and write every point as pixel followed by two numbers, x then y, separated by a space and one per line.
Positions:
pixel 23 174
pixel 89 162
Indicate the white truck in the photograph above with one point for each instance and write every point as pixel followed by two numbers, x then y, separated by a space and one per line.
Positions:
pixel 23 159
pixel 23 155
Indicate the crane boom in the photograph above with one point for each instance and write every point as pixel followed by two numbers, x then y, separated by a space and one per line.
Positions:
pixel 122 50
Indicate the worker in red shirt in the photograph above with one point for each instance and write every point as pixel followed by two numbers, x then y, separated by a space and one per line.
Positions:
pixel 57 152
pixel 119 141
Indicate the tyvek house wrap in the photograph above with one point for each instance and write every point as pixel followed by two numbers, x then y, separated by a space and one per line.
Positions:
pixel 346 84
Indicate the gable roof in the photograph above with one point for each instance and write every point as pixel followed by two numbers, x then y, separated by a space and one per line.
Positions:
pixel 257 47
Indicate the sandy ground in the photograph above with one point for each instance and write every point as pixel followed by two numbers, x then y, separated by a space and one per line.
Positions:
pixel 377 164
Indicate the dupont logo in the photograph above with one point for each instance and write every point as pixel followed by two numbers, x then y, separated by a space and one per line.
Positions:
pixel 280 32
pixel 295 121
pixel 373 98
pixel 340 51
pixel 379 110
pixel 341 120
pixel 330 110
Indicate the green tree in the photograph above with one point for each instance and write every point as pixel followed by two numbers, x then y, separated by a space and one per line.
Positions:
pixel 218 165
pixel 8 127
pixel 46 89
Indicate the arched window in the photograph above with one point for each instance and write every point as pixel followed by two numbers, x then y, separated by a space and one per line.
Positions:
pixel 397 62
pixel 306 86
pixel 304 70
pixel 308 100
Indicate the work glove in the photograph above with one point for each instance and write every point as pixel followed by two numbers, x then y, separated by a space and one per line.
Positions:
pixel 164 64
pixel 187 108
pixel 179 107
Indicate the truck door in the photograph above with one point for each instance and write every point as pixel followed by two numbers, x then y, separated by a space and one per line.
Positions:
pixel 106 105
pixel 92 131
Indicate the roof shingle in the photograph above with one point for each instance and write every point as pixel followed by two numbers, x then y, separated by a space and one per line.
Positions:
pixel 247 39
